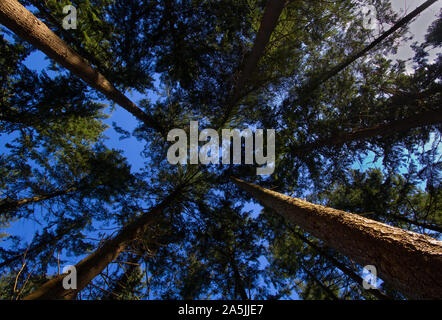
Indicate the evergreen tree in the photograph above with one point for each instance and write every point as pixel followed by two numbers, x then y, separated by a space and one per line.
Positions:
pixel 312 71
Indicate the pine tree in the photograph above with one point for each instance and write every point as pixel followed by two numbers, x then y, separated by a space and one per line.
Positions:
pixel 364 241
pixel 310 70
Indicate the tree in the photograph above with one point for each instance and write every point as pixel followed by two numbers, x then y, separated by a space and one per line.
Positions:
pixel 392 199
pixel 92 265
pixel 17 18
pixel 363 240
pixel 310 70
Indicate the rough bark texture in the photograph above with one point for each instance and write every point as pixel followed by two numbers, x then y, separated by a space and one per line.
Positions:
pixel 94 264
pixel 23 23
pixel 409 262
pixel 424 119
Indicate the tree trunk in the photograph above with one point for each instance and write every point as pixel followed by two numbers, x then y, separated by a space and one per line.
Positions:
pixel 317 81
pixel 7 204
pixel 407 261
pixel 326 289
pixel 41 6
pixel 424 119
pixel 268 23
pixel 36 249
pixel 94 264
pixel 341 266
pixel 424 225
pixel 239 285
pixel 23 23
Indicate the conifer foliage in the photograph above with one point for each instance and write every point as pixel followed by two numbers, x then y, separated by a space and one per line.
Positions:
pixel 356 179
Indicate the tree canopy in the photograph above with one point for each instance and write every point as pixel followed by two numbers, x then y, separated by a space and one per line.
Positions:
pixel 356 130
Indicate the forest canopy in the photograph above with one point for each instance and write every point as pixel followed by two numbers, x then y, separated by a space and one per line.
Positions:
pixel 350 135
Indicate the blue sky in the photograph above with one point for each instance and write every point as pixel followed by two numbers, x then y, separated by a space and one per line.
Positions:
pixel 132 148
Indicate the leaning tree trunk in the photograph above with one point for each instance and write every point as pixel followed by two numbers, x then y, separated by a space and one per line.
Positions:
pixel 268 24
pixel 409 262
pixel 94 264
pixel 427 118
pixel 23 23
pixel 40 5
pixel 318 80
pixel 331 295
pixel 239 283
pixel 7 204
pixel 341 266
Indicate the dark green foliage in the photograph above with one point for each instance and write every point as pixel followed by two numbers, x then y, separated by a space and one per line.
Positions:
pixel 185 58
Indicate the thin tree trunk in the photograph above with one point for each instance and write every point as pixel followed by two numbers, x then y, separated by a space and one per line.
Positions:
pixel 36 249
pixel 409 262
pixel 341 266
pixel 239 285
pixel 94 264
pixel 316 81
pixel 327 290
pixel 23 23
pixel 268 23
pixel 424 119
pixel 7 204
pixel 417 223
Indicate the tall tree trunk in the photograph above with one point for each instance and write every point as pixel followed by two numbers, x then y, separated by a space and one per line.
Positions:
pixel 424 119
pixel 41 6
pixel 316 81
pixel 23 23
pixel 88 268
pixel 7 204
pixel 268 23
pixel 407 261
pixel 239 284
